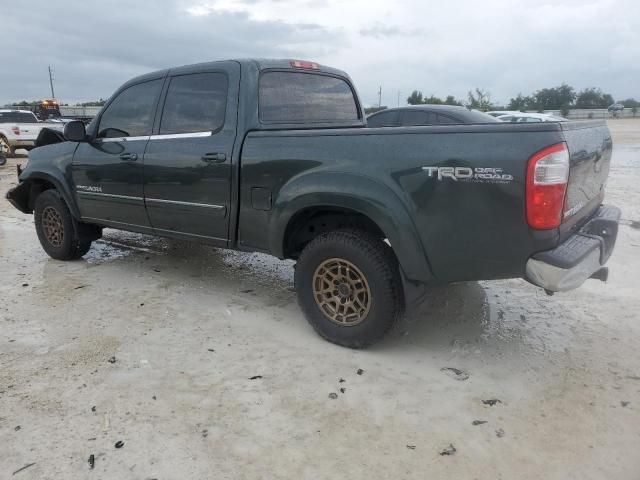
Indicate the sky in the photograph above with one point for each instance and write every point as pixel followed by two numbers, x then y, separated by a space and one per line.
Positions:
pixel 440 48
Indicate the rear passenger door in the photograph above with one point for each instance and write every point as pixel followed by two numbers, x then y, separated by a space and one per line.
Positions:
pixel 187 163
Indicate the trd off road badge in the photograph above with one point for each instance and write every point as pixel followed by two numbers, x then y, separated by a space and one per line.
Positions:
pixel 468 174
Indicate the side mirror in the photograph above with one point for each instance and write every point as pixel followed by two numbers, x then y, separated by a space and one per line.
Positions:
pixel 75 131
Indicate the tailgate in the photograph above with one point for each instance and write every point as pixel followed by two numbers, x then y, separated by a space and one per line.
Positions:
pixel 590 145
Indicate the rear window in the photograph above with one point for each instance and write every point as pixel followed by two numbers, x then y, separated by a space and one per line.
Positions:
pixel 295 97
pixel 17 117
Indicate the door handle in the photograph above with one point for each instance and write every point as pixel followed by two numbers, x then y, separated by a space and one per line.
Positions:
pixel 129 156
pixel 214 157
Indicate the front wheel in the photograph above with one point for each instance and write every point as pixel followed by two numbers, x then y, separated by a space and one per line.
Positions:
pixel 5 148
pixel 58 233
pixel 348 286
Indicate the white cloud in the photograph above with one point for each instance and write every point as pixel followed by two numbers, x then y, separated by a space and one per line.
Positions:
pixel 441 48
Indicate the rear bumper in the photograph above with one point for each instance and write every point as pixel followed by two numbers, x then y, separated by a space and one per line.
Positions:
pixel 580 257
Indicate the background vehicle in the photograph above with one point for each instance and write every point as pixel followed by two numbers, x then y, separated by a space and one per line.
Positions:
pixel 20 128
pixel 52 111
pixel 498 113
pixel 46 110
pixel 426 115
pixel 278 160
pixel 530 118
pixel 616 107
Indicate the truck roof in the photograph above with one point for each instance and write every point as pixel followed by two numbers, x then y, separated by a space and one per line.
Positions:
pixel 11 110
pixel 259 63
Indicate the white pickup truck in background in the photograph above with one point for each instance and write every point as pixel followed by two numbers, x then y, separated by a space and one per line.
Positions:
pixel 20 129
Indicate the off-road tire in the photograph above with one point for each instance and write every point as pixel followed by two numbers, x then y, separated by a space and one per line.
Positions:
pixel 71 244
pixel 9 151
pixel 377 264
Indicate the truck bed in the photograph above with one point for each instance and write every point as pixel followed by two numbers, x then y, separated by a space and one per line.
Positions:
pixel 468 228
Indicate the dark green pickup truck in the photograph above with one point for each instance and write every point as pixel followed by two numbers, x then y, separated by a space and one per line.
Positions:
pixel 275 156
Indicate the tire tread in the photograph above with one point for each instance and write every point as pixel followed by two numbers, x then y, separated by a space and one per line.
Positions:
pixel 385 264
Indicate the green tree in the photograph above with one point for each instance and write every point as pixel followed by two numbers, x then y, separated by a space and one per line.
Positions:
pixel 432 100
pixel 451 100
pixel 520 103
pixel 630 103
pixel 593 98
pixel 556 98
pixel 479 99
pixel 415 98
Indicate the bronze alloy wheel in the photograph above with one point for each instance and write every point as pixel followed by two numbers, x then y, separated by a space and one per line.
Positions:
pixel 53 226
pixel 341 292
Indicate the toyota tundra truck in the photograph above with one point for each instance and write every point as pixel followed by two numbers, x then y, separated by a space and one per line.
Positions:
pixel 274 156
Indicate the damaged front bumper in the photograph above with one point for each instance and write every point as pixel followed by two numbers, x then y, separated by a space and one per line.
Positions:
pixel 580 257
pixel 19 196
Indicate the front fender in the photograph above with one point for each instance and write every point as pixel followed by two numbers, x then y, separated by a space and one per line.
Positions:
pixel 358 193
pixel 51 164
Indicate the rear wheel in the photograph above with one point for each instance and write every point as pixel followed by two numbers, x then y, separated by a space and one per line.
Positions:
pixel 348 286
pixel 59 235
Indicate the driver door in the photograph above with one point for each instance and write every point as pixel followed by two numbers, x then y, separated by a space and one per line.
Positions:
pixel 107 171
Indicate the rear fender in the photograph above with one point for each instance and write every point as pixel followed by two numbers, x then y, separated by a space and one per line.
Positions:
pixel 360 194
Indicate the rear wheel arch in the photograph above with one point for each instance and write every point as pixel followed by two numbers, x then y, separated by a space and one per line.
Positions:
pixel 384 213
pixel 311 222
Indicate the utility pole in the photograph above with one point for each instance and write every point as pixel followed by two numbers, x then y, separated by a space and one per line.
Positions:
pixel 380 96
pixel 53 95
pixel 398 98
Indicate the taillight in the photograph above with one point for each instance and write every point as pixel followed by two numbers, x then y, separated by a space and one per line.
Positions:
pixel 547 177
pixel 15 130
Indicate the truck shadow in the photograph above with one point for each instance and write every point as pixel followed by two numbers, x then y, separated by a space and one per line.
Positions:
pixel 452 317
pixel 458 318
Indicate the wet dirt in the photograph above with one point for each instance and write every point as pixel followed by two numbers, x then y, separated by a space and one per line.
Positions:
pixel 189 326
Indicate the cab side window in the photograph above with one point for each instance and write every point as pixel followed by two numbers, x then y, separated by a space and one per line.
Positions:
pixel 130 114
pixel 195 103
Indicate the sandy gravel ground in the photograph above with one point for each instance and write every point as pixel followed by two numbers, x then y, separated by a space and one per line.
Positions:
pixel 154 343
